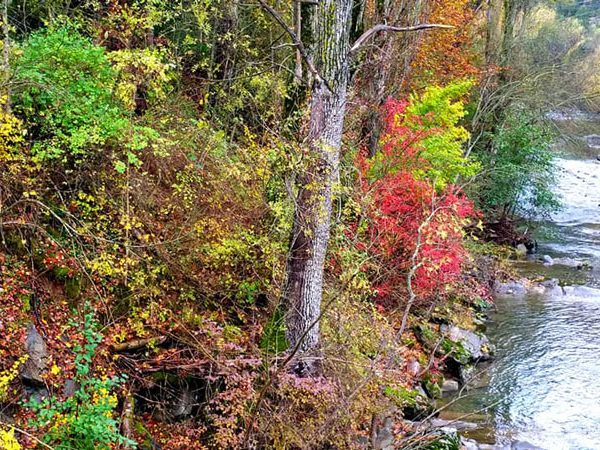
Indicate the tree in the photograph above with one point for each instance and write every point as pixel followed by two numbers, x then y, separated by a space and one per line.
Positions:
pixel 329 64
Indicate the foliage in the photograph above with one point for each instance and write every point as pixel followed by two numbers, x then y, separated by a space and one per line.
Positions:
pixel 8 440
pixel 86 420
pixel 7 376
pixel 11 134
pixel 411 224
pixel 143 76
pixel 445 58
pixel 438 111
pixel 7 437
pixel 66 95
pixel 519 168
pixel 423 136
pixel 148 157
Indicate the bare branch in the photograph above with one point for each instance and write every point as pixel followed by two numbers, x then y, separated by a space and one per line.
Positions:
pixel 297 42
pixel 360 42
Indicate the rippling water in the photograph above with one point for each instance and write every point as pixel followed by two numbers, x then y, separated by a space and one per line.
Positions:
pixel 578 223
pixel 544 386
pixel 547 373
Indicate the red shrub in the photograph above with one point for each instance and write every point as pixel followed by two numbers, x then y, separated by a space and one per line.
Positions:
pixel 410 223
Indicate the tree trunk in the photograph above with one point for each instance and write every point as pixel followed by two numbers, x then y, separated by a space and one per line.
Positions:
pixel 312 215
pixel 387 62
pixel 6 53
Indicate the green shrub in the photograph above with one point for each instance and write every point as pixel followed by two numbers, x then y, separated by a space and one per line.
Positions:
pixel 518 168
pixel 438 112
pixel 86 420
pixel 65 93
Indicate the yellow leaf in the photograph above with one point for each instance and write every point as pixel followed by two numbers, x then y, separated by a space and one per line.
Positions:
pixel 54 370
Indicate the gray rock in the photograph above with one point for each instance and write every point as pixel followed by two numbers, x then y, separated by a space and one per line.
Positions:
pixel 537 289
pixel 475 344
pixel 476 377
pixel 469 444
pixel 450 386
pixel 593 140
pixel 510 288
pixel 522 445
pixel 550 284
pixel 70 387
pixel 36 364
pixel 467 373
pixel 413 367
pixel 552 287
pixel 521 250
pixel 581 291
pixel 548 261
pixel 385 437
pixel 184 404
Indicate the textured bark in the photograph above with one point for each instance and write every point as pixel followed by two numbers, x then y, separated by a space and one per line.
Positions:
pixel 495 32
pixel 312 216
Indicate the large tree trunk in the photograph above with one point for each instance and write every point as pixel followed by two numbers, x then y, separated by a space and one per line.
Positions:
pixel 312 216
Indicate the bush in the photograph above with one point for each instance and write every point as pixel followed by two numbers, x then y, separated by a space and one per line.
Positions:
pixel 65 95
pixel 427 130
pixel 86 420
pixel 519 168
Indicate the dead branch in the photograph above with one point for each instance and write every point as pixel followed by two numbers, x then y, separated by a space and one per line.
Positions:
pixel 380 28
pixel 136 344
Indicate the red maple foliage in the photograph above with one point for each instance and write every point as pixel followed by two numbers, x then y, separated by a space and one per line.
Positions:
pixel 411 225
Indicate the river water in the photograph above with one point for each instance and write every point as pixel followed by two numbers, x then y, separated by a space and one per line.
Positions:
pixel 543 388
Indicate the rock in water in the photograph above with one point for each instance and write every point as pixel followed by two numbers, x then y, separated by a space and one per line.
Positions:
pixel 517 288
pixel 548 261
pixel 36 364
pixel 450 386
pixel 521 250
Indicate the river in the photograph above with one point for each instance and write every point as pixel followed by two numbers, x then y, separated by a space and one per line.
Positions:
pixel 543 388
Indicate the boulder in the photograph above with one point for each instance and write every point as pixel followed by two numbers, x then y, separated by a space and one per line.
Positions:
pixel 471 444
pixel 476 345
pixel 449 386
pixel 413 367
pixel 522 445
pixel 593 140
pixel 421 407
pixel 37 363
pixel 70 387
pixel 548 260
pixel 384 439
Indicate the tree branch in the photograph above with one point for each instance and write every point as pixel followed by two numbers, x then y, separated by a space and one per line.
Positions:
pixel 295 39
pixel 360 42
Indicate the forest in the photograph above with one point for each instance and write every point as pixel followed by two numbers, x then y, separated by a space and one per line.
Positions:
pixel 268 224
